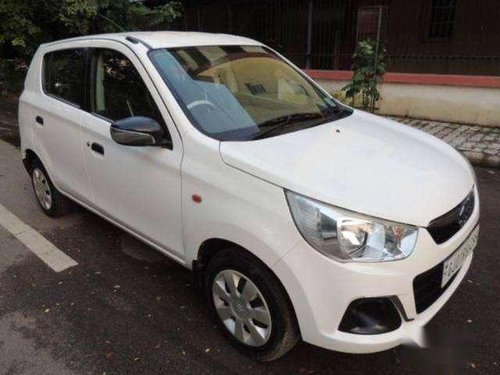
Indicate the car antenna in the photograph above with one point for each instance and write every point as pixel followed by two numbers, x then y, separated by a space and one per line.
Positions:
pixel 111 21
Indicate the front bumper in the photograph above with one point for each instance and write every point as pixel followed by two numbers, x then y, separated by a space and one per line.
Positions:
pixel 321 290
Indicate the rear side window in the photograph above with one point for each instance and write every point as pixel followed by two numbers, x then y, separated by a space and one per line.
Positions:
pixel 118 90
pixel 64 75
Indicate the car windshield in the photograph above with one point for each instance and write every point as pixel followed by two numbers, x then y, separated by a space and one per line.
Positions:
pixel 242 92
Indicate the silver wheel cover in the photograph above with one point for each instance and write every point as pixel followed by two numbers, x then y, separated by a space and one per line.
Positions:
pixel 242 308
pixel 42 189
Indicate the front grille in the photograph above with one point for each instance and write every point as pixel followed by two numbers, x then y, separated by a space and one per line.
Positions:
pixel 445 226
pixel 427 287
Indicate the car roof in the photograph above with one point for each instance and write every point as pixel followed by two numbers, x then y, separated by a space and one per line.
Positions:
pixel 167 39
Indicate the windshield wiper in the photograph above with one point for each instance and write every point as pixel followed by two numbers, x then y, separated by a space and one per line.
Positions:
pixel 288 118
pixel 279 123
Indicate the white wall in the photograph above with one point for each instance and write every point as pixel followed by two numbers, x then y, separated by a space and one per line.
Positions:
pixel 468 105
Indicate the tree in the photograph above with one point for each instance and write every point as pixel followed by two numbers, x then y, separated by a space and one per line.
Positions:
pixel 24 24
pixel 17 28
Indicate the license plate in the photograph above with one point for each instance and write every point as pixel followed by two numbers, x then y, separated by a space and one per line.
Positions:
pixel 457 259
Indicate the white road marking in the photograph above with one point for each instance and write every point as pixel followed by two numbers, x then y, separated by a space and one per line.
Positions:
pixel 38 244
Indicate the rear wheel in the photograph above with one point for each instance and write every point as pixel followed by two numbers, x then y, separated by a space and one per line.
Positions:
pixel 51 201
pixel 250 305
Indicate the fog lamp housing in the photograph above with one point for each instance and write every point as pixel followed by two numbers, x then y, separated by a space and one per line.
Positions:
pixel 370 316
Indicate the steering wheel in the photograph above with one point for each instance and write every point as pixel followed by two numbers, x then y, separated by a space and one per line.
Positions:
pixel 197 103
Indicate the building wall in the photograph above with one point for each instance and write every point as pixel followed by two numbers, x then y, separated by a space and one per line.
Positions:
pixel 473 47
pixel 448 103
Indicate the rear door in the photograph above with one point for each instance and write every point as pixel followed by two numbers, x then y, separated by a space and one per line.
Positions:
pixel 137 186
pixel 56 114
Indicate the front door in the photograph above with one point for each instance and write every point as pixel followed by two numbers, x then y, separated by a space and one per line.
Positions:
pixel 138 187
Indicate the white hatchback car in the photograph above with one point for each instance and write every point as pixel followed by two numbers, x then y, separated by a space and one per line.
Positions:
pixel 302 217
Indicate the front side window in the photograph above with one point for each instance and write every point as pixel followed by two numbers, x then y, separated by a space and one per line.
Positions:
pixel 64 75
pixel 118 89
pixel 242 92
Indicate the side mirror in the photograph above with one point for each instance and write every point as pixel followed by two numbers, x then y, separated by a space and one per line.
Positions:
pixel 138 131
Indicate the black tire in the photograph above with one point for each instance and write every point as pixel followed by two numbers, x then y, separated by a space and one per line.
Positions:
pixel 59 204
pixel 284 332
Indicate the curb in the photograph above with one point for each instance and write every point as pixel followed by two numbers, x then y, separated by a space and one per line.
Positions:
pixel 479 159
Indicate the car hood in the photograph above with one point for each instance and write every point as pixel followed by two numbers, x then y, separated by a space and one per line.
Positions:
pixel 362 163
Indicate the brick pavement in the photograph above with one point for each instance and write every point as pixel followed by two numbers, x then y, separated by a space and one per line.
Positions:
pixel 481 144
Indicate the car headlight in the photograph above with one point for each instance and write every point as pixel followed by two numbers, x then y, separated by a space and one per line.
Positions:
pixel 348 236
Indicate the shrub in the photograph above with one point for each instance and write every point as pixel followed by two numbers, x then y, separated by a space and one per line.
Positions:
pixel 369 68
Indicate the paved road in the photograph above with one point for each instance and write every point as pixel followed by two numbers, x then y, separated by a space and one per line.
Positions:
pixel 124 309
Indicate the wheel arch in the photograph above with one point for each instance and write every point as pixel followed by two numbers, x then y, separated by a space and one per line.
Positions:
pixel 28 158
pixel 209 249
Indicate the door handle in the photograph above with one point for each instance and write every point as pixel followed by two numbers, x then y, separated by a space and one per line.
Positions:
pixel 96 147
pixel 39 120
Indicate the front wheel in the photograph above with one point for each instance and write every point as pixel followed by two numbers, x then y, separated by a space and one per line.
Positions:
pixel 250 305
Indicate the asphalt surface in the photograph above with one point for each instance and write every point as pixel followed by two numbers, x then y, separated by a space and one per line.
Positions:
pixel 125 309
